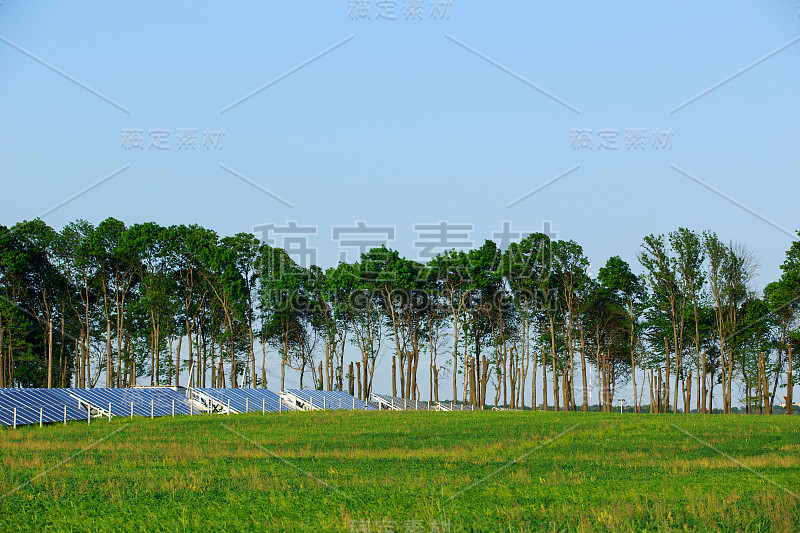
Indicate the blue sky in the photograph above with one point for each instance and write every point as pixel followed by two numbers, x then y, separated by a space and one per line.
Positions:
pixel 401 125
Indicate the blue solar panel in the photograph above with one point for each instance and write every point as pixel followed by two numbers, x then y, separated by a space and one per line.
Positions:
pixel 246 400
pixel 142 401
pixel 331 400
pixel 393 402
pixel 29 402
pixel 457 407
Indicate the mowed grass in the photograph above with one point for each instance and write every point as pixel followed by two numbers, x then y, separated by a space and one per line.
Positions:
pixel 405 471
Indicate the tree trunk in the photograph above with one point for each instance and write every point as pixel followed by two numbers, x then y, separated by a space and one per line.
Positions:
pixel 455 358
pixel 191 344
pixel 49 354
pixel 132 361
pixel 2 362
pixel 253 349
pixel 766 395
pixel 84 358
pixel 430 383
pixel 327 380
pixel 789 384
pixel 351 379
pixel 544 379
pixel 77 360
pixel 556 401
pixel 666 377
pixel 661 405
pixel 213 359
pixel 553 360
pixel 711 393
pixel 533 380
pixel 572 379
pixel 705 380
pixel 730 381
pixel 415 390
pixel 484 380
pixel 61 357
pixel 358 373
pixel 153 357
pixel 600 404
pixel 678 372
pixel 120 319
pixel 109 363
pixel 407 385
pixel 394 376
pixel 748 390
pixel 469 397
pixel 178 362
pixel 263 362
pixel 687 404
pixel 633 377
pixel 455 371
pixel 466 373
pixel 607 380
pixel 234 378
pixel 476 363
pixel 697 378
pixel 505 378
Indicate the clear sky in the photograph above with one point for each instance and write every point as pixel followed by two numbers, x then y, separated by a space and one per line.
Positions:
pixel 448 114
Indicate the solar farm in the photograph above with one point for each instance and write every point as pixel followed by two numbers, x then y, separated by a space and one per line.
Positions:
pixel 161 458
pixel 19 407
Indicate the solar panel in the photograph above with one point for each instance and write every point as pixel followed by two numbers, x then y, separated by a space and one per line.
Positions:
pixel 29 402
pixel 140 401
pixel 400 404
pixel 317 399
pixel 454 407
pixel 241 400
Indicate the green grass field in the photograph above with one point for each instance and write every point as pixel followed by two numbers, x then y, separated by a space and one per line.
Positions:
pixel 405 471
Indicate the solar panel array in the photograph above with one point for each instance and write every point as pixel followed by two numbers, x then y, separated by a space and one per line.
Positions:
pixel 243 400
pixel 139 401
pixel 400 404
pixel 454 407
pixel 56 405
pixel 29 402
pixel 317 399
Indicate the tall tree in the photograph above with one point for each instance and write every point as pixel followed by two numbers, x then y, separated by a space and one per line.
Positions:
pixel 628 291
pixel 689 266
pixel 730 270
pixel 667 301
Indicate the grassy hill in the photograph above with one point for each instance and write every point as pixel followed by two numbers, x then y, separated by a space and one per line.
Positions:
pixel 405 471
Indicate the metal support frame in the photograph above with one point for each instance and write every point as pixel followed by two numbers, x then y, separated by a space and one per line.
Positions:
pixel 93 410
pixel 208 403
pixel 298 403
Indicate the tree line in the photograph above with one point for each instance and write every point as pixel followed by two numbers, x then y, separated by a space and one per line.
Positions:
pixel 146 303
